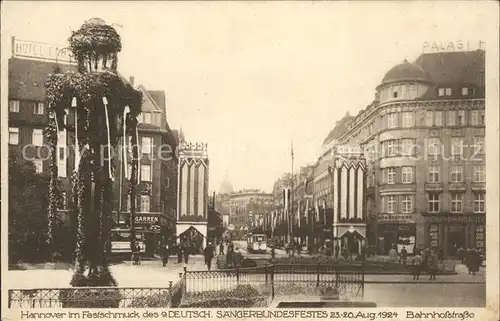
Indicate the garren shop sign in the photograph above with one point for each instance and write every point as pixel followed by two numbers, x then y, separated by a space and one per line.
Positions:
pixel 41 51
pixel 146 219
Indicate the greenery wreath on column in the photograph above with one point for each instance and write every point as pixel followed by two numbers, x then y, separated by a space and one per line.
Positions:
pixel 105 107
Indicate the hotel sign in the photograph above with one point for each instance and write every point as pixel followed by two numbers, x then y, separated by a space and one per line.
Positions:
pixel 41 51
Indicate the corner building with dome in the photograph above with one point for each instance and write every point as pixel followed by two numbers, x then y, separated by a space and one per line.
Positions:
pixel 423 139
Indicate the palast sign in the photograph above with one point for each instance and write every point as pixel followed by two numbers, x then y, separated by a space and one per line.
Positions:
pixel 458 45
pixel 41 51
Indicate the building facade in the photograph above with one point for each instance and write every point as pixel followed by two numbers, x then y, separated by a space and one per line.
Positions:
pixel 248 209
pixel 156 201
pixel 423 139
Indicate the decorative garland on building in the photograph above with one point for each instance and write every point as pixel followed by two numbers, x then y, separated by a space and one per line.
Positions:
pixel 99 98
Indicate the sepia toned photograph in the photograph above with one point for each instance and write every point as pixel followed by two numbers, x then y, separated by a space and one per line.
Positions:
pixel 273 155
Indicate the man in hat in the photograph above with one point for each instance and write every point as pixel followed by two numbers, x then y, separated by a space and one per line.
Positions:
pixel 208 253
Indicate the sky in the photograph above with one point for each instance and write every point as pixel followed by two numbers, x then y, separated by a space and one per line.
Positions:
pixel 250 78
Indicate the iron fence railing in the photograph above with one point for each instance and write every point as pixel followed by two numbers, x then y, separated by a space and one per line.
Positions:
pixel 264 283
pixel 98 297
pixel 272 280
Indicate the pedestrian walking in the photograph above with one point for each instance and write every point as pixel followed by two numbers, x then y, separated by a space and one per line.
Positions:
pixel 433 264
pixel 393 256
pixel 136 254
pixel 186 251
pixel 208 253
pixel 441 256
pixel 273 252
pixel 221 248
pixel 473 261
pixel 461 255
pixel 230 256
pixel 179 253
pixel 403 256
pixel 337 251
pixel 416 263
pixel 165 254
pixel 238 259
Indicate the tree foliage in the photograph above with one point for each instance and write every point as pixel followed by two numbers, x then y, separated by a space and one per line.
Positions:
pixel 28 200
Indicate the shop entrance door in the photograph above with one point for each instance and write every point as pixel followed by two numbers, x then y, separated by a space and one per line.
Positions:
pixel 456 239
pixel 390 240
pixel 193 239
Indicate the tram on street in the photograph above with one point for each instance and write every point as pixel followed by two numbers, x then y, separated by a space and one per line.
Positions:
pixel 256 243
pixel 120 241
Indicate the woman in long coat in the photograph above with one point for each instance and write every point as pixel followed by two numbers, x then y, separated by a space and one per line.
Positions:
pixel 473 261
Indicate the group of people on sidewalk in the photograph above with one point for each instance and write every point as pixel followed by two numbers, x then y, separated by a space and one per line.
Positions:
pixel 183 250
pixel 428 261
pixel 234 258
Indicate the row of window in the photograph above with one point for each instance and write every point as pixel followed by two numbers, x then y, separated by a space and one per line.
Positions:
pixel 145 173
pixel 37 139
pixel 389 175
pixel 431 118
pixel 434 202
pixel 466 91
pixel 408 147
pixel 15 107
pixel 397 147
pixel 39 109
pixel 436 118
pixel 454 118
pixel 457 146
pixel 456 174
pixel 149 118
pixel 403 91
pixel 389 203
pixel 410 91
pixel 144 204
pixel 36 136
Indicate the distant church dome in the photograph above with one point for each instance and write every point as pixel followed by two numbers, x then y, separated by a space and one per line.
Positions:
pixel 226 187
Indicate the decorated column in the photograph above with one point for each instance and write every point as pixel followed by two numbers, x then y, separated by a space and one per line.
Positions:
pixel 99 98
